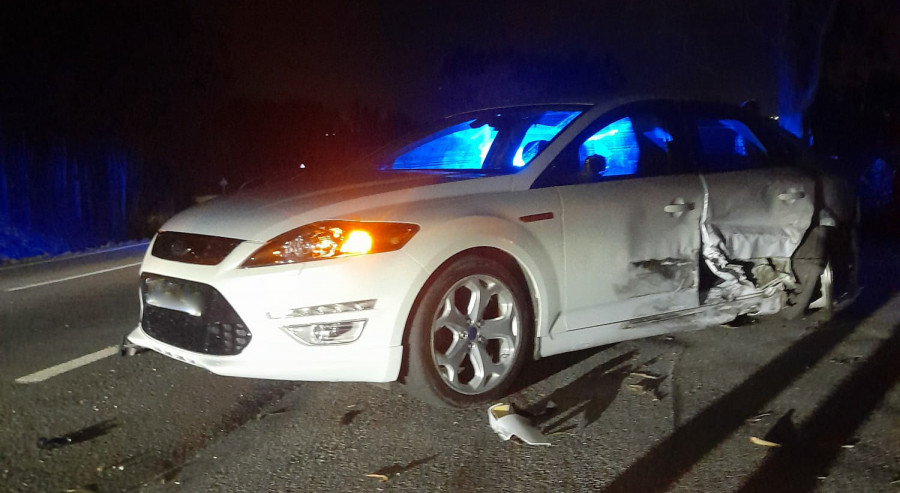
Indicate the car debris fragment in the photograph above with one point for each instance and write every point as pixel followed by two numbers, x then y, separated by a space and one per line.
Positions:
pixel 759 417
pixel 506 423
pixel 649 383
pixel 764 443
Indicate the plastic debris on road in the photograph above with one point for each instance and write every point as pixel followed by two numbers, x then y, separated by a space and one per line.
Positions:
pixel 764 443
pixel 506 423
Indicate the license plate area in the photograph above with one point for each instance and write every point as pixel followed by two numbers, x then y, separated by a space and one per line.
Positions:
pixel 192 316
pixel 174 295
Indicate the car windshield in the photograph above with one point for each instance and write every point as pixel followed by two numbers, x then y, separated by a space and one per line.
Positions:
pixel 489 142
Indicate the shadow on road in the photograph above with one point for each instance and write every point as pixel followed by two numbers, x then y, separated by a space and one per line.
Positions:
pixel 82 435
pixel 586 398
pixel 834 422
pixel 544 368
pixel 797 465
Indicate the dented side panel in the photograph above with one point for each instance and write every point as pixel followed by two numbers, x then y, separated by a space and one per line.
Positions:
pixel 631 249
pixel 760 213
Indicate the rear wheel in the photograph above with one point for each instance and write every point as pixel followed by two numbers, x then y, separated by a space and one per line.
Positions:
pixel 814 270
pixel 824 304
pixel 471 333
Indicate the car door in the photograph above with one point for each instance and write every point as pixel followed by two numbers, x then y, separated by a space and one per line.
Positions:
pixel 630 220
pixel 759 206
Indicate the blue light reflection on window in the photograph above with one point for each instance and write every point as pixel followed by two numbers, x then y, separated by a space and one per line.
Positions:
pixel 658 137
pixel 458 147
pixel 616 142
pixel 727 137
pixel 541 132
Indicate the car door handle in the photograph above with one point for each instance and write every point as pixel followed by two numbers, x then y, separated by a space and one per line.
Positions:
pixel 678 207
pixel 791 196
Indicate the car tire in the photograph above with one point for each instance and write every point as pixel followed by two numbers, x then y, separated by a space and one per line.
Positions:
pixel 812 265
pixel 470 335
pixel 823 306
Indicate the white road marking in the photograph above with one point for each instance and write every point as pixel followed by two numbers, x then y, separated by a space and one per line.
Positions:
pixel 53 281
pixel 68 366
pixel 63 258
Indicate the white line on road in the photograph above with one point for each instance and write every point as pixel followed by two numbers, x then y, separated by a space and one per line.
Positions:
pixel 68 366
pixel 66 257
pixel 44 283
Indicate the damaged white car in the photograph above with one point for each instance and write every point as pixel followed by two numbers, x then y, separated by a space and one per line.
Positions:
pixel 499 237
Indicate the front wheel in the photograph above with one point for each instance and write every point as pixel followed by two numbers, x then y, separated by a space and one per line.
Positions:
pixel 471 333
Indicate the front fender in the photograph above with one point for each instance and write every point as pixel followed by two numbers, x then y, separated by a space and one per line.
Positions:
pixel 536 247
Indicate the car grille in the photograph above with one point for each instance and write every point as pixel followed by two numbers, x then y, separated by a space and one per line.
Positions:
pixel 192 249
pixel 191 316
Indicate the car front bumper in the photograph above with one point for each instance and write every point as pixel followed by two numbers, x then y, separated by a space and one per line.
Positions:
pixel 268 299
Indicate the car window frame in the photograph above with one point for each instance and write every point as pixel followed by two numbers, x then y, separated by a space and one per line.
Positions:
pixel 660 109
pixel 501 151
pixel 690 113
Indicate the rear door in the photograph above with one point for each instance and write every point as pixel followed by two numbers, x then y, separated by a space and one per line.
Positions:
pixel 760 205
pixel 630 220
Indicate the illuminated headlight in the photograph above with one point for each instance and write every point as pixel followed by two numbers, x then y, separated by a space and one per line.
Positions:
pixel 331 239
pixel 306 311
pixel 326 333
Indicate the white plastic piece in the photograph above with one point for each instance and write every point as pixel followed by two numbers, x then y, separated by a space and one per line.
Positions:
pixel 506 423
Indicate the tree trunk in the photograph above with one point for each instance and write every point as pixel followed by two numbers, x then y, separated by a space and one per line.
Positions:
pixel 804 24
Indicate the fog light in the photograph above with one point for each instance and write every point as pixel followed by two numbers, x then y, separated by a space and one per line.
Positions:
pixel 326 333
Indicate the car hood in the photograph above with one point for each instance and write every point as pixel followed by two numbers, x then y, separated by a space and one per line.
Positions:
pixel 260 214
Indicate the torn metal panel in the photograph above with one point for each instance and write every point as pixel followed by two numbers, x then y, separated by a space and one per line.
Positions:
pixel 733 281
pixel 759 213
pixel 739 280
pixel 658 276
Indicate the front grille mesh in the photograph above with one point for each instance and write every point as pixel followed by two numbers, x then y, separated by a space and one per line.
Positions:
pixel 218 330
pixel 192 249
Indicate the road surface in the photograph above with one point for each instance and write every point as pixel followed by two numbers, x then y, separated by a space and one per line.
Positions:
pixel 671 413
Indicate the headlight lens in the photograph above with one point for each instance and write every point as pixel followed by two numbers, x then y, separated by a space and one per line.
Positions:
pixel 331 239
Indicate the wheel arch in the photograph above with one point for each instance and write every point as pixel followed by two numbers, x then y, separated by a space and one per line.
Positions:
pixel 489 252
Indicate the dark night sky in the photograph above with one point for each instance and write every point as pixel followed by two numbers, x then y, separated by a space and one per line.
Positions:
pixel 187 92
pixel 385 54
pixel 390 53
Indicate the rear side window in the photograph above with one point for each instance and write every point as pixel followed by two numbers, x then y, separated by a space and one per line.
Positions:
pixel 728 145
pixel 461 146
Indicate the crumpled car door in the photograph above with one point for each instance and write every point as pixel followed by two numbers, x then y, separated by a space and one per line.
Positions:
pixel 757 208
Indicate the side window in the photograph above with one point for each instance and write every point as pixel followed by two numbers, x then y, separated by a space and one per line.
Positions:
pixel 458 147
pixel 728 145
pixel 611 151
pixel 632 146
pixel 540 133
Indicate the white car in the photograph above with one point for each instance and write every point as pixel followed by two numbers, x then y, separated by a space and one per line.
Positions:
pixel 499 237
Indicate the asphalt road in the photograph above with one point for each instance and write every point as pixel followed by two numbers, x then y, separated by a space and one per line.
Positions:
pixel 671 413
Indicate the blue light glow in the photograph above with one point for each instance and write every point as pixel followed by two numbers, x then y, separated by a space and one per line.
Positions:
pixel 727 137
pixel 659 137
pixel 616 142
pixel 541 132
pixel 457 147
